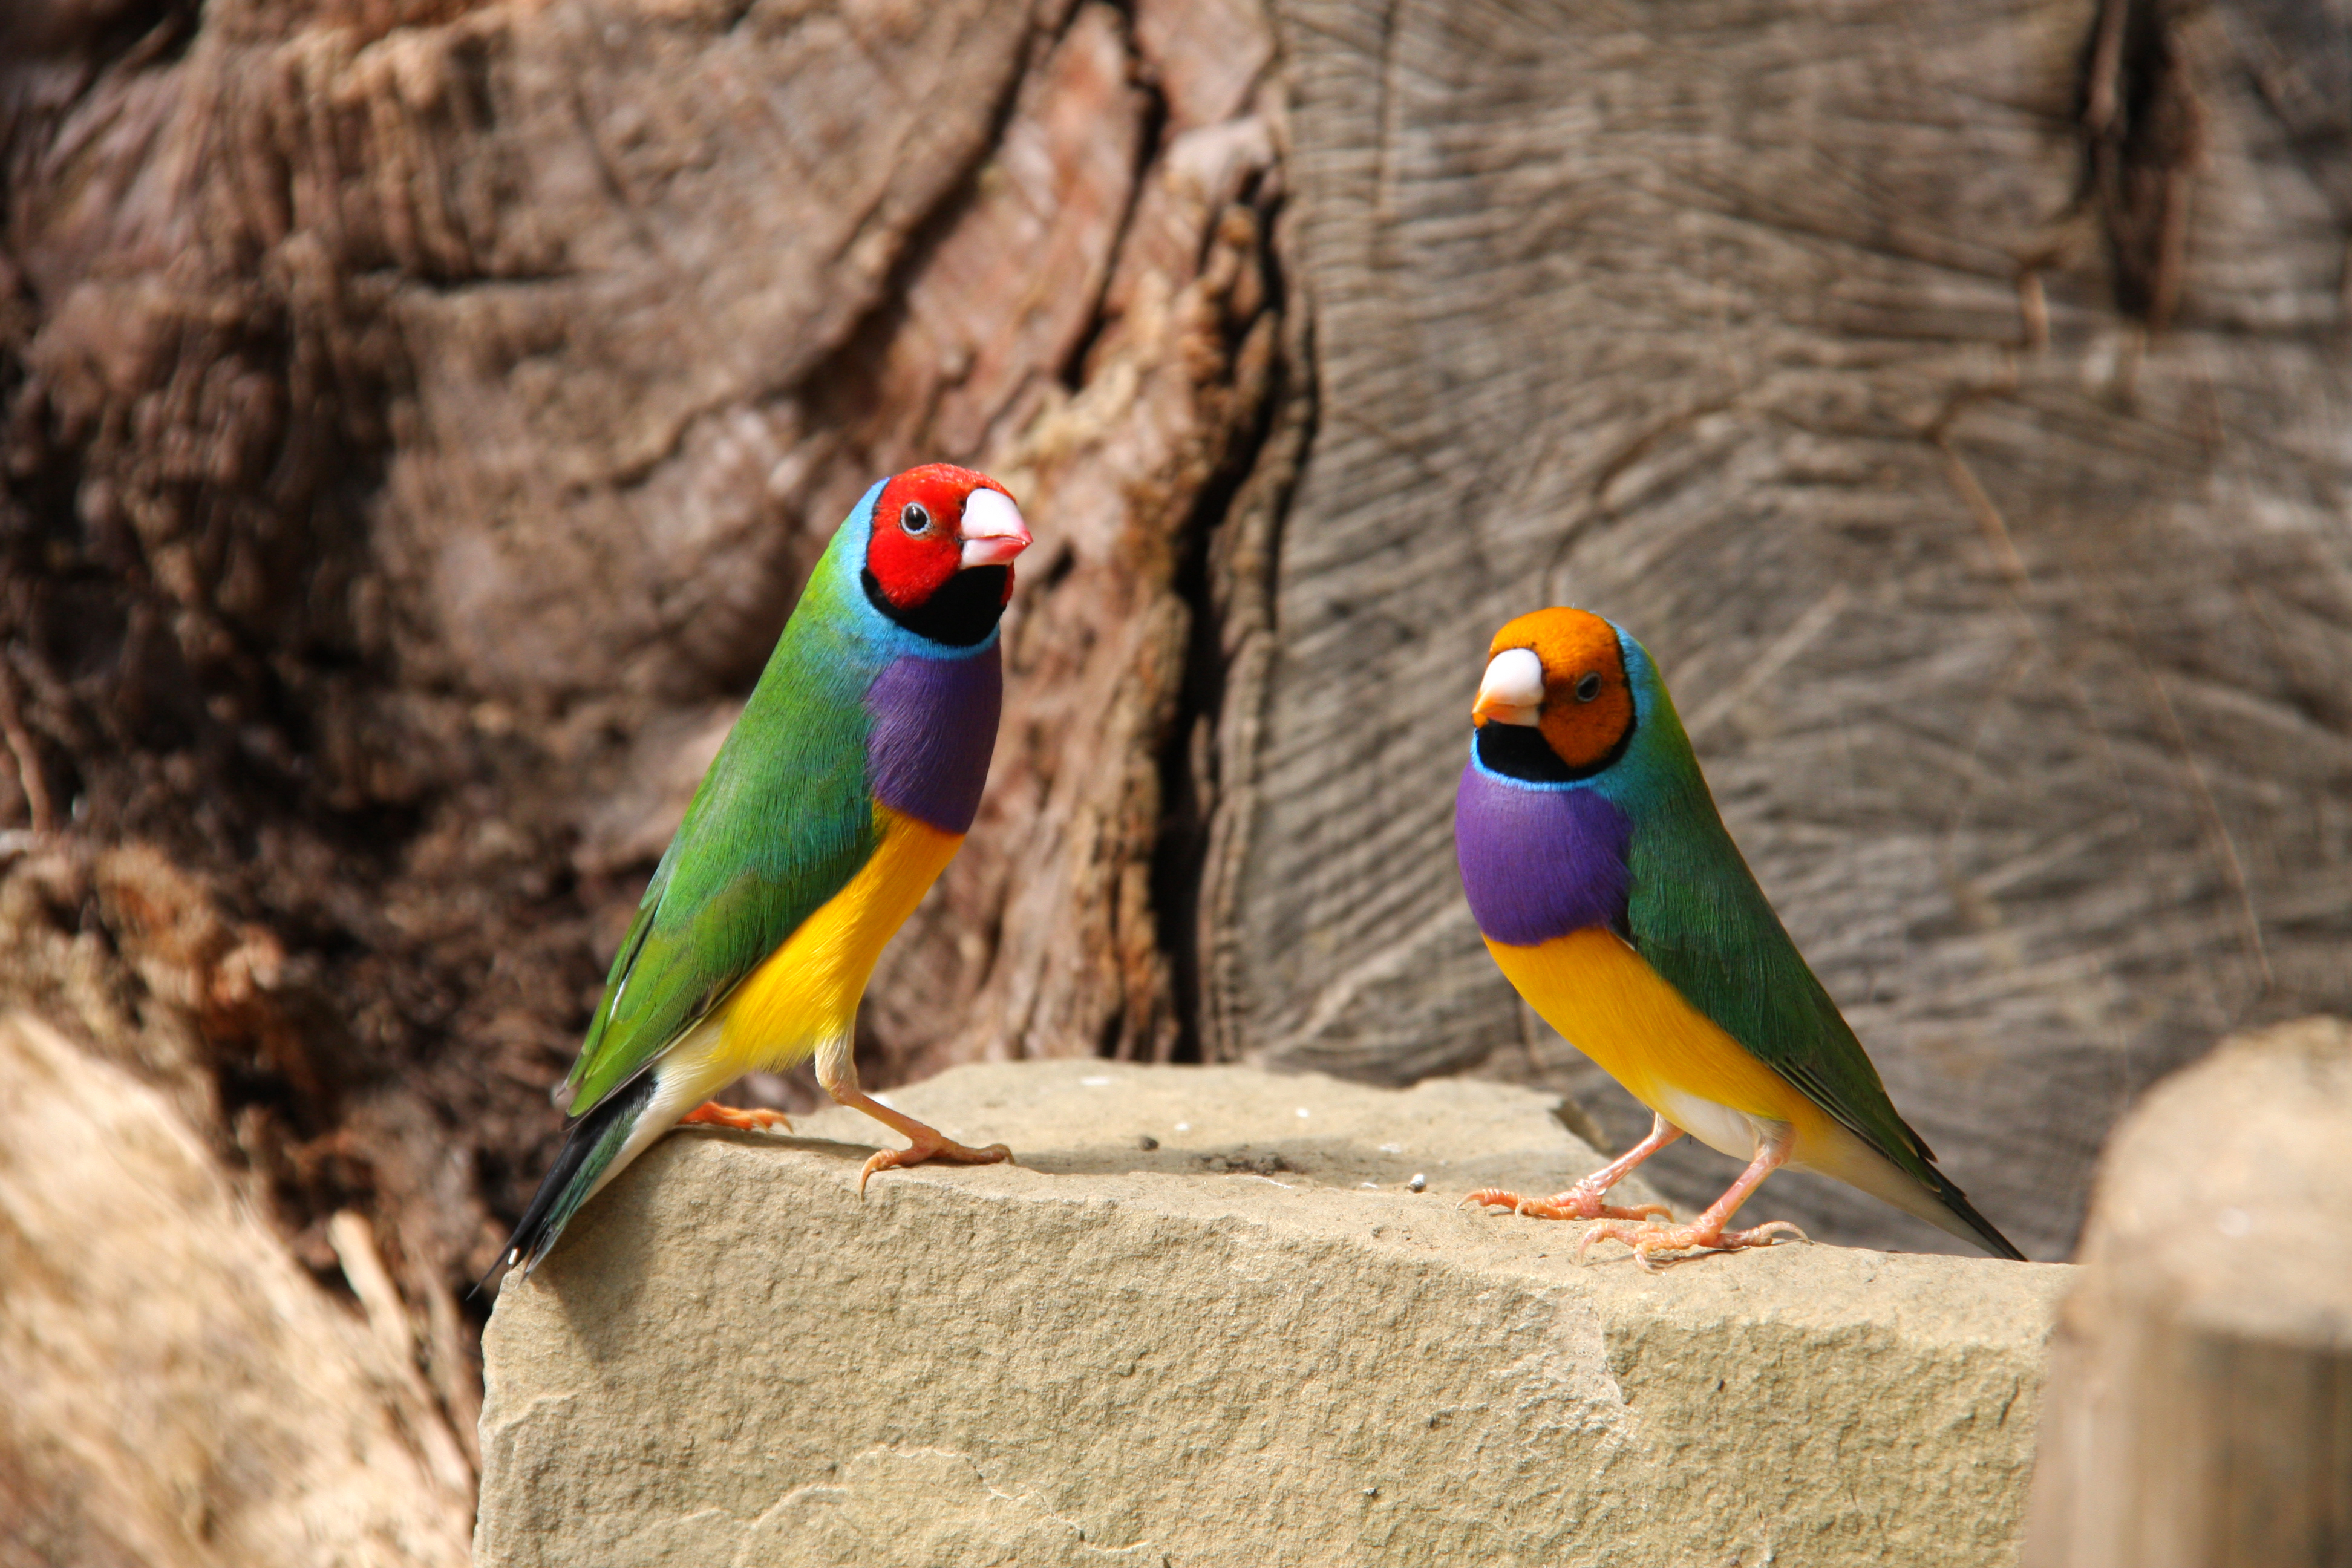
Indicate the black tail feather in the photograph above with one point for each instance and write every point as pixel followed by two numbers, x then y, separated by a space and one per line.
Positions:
pixel 1991 1237
pixel 588 1149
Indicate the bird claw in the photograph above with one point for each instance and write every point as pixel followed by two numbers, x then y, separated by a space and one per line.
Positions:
pixel 944 1148
pixel 1579 1202
pixel 1651 1239
pixel 711 1113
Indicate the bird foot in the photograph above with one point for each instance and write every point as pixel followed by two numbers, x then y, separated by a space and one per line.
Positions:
pixel 1649 1239
pixel 1579 1202
pixel 933 1147
pixel 711 1113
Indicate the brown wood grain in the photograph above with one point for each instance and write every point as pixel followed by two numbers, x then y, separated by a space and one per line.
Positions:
pixel 2199 1413
pixel 2011 632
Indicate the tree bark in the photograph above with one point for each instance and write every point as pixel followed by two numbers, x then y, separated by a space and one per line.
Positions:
pixel 1953 398
pixel 420 418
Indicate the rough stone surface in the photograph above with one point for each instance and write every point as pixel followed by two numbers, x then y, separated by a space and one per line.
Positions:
pixel 1225 1346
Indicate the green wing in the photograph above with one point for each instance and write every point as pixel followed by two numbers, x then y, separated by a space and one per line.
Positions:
pixel 783 821
pixel 1698 919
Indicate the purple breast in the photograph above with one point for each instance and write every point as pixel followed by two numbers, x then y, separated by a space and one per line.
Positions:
pixel 1538 863
pixel 934 726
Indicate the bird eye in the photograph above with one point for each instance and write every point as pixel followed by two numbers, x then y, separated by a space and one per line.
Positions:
pixel 1588 686
pixel 915 518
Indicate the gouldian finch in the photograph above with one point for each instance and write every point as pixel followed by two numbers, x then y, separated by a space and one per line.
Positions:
pixel 1614 900
pixel 843 791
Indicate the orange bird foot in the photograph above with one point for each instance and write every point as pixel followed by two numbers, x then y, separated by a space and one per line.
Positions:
pixel 1579 1202
pixel 711 1113
pixel 1648 1240
pixel 930 1145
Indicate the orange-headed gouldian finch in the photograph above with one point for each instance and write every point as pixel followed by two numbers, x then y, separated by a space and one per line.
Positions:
pixel 1613 899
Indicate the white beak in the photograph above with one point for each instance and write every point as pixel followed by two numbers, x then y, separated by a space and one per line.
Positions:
pixel 992 531
pixel 1513 691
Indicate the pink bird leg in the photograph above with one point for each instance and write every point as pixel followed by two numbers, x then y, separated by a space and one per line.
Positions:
pixel 1583 1201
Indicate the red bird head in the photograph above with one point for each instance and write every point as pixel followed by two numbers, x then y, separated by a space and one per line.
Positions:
pixel 939 556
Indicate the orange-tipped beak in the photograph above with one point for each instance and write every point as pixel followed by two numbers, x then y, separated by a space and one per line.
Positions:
pixel 992 531
pixel 1513 690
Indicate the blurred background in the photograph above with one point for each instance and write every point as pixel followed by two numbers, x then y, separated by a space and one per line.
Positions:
pixel 417 416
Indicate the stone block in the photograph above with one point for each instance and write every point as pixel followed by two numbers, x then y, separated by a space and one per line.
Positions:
pixel 1249 1343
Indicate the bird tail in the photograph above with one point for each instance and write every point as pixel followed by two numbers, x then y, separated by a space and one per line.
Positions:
pixel 1980 1229
pixel 1915 1187
pixel 1930 1195
pixel 594 1143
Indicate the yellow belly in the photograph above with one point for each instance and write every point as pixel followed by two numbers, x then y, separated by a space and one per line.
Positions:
pixel 806 992
pixel 1610 1004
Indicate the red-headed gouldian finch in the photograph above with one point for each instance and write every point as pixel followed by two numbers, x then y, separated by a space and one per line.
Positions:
pixel 1613 899
pixel 843 789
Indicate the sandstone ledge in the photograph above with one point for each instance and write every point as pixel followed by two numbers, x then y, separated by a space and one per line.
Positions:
pixel 1112 1354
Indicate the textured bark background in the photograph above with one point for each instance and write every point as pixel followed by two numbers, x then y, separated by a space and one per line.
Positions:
pixel 417 417
pixel 1954 399
pixel 419 420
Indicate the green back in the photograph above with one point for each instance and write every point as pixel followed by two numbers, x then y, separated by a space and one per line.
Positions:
pixel 1698 917
pixel 783 821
